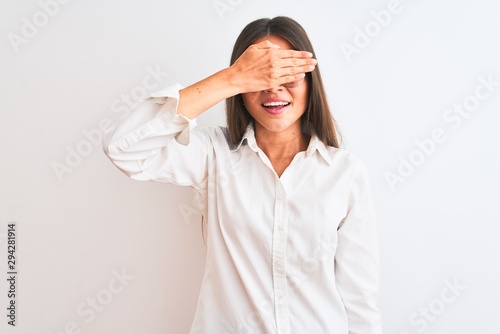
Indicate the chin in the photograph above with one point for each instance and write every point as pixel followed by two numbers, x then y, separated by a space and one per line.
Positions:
pixel 276 125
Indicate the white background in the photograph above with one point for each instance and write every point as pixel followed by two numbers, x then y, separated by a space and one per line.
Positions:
pixel 76 231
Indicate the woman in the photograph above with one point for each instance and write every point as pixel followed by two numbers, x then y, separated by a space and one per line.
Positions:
pixel 289 221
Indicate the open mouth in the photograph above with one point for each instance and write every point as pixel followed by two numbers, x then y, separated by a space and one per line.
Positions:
pixel 275 107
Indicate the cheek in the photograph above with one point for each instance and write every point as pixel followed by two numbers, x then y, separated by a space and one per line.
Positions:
pixel 249 98
pixel 301 98
pixel 301 94
pixel 252 103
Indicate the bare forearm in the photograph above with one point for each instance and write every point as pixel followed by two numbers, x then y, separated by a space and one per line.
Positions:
pixel 197 98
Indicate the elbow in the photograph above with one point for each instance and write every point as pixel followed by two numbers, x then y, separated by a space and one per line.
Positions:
pixel 129 167
pixel 126 164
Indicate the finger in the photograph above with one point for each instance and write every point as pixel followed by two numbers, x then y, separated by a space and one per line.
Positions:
pixel 290 78
pixel 284 54
pixel 296 62
pixel 267 44
pixel 292 72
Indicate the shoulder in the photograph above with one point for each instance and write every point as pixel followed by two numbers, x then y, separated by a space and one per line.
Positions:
pixel 352 167
pixel 343 158
pixel 349 166
pixel 217 135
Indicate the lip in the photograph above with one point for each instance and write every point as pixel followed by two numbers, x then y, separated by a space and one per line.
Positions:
pixel 275 110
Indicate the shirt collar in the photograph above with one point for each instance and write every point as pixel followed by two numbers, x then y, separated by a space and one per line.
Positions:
pixel 247 139
pixel 315 144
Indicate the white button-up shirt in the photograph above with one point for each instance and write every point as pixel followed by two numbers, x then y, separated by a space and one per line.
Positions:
pixel 291 254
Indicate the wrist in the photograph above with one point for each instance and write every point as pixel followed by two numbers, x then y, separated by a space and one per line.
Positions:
pixel 231 78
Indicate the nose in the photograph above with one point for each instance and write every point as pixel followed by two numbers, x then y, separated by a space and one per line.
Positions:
pixel 274 89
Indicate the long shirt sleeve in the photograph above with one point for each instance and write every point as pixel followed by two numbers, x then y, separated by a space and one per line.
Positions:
pixel 147 145
pixel 356 259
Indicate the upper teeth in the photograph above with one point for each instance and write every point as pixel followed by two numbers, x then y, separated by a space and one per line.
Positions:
pixel 275 104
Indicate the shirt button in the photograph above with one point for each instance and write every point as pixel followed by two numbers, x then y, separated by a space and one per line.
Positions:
pixel 279 294
pixel 165 117
pixel 280 228
pixel 279 195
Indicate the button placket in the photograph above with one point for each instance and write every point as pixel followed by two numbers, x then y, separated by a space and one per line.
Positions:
pixel 279 260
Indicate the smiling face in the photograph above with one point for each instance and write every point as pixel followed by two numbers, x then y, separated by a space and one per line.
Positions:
pixel 277 109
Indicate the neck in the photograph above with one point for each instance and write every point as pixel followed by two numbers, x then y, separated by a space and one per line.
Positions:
pixel 283 144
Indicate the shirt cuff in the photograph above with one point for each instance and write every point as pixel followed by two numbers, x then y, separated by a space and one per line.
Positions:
pixel 169 114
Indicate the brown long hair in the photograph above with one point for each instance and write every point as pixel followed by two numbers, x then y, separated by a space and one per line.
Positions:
pixel 317 116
